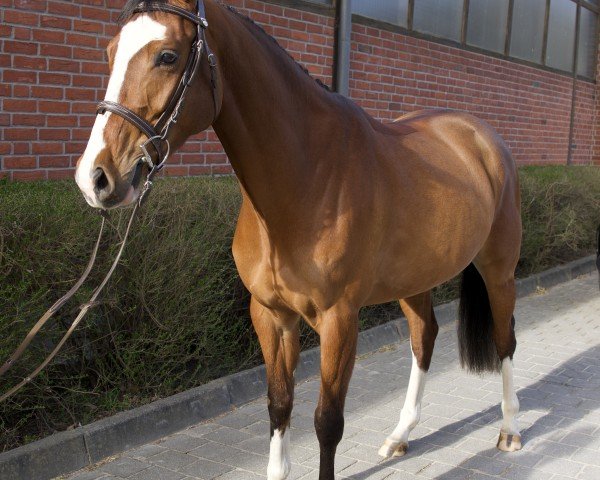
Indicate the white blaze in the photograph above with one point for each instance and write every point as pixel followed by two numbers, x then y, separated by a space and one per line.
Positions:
pixel 135 35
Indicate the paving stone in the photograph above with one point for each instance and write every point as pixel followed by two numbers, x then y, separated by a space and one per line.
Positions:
pixel 182 443
pixel 206 470
pixel 241 475
pixel 93 475
pixel 145 451
pixel 157 473
pixel 172 460
pixel 124 467
pixel 557 374
pixel 590 473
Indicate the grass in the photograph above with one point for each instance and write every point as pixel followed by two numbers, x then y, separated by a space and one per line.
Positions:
pixel 175 314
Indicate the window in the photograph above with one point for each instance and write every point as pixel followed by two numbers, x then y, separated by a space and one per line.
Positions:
pixel 561 34
pixel 442 18
pixel 588 40
pixel 487 24
pixel 542 32
pixel 527 33
pixel 390 11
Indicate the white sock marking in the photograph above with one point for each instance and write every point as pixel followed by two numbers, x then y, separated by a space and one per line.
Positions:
pixel 135 35
pixel 279 456
pixel 411 411
pixel 510 402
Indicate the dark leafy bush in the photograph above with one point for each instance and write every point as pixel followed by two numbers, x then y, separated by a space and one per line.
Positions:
pixel 175 314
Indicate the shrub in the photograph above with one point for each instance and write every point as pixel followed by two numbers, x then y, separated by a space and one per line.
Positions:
pixel 175 315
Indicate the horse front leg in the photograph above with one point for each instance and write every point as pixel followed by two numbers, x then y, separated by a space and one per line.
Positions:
pixel 338 329
pixel 278 335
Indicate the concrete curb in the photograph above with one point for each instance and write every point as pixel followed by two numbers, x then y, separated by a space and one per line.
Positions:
pixel 75 449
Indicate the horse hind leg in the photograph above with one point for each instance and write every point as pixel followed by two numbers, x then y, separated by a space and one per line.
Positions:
pixel 423 331
pixel 502 301
pixel 486 323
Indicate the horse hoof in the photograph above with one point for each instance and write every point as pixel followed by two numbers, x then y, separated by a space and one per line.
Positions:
pixel 392 449
pixel 508 442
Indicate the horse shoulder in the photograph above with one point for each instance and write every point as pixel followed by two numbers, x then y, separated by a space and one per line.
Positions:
pixel 251 253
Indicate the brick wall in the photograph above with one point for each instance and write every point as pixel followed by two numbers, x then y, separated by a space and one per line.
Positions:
pixel 53 72
pixel 392 74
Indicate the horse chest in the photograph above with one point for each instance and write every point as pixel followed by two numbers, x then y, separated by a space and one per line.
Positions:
pixel 293 275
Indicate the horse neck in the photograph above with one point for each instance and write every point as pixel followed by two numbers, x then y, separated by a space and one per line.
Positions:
pixel 269 114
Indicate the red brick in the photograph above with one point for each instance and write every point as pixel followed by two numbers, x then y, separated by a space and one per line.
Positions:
pixel 61 121
pixel 55 78
pixel 96 14
pixel 82 40
pixel 38 5
pixel 11 162
pixel 63 51
pixel 54 161
pixel 17 17
pixel 47 147
pixel 47 93
pixel 29 62
pixel 53 134
pixel 24 148
pixel 6 31
pixel 19 105
pixel 22 33
pixel 49 21
pixel 61 174
pixel 88 26
pixel 29 119
pixel 29 175
pixel 64 65
pixel 64 9
pixel 54 106
pixel 28 48
pixel 49 36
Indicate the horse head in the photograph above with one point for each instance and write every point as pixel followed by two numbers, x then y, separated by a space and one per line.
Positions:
pixel 159 58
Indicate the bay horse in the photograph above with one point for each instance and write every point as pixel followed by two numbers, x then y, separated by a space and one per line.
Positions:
pixel 339 210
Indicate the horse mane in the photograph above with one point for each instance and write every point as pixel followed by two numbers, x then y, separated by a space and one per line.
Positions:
pixel 262 31
pixel 129 10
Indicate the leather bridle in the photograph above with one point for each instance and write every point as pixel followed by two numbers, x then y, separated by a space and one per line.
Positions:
pixel 157 133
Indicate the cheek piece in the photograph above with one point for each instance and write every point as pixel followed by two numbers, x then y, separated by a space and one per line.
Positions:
pixel 157 133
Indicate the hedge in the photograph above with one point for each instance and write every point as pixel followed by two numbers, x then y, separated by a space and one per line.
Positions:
pixel 175 314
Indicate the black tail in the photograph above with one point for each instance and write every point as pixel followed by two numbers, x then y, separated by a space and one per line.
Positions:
pixel 475 325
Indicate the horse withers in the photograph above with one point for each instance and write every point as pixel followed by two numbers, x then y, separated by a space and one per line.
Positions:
pixel 339 210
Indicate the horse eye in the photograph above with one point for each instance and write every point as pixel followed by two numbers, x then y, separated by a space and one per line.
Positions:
pixel 166 58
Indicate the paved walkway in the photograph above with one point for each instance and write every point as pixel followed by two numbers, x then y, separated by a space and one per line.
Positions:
pixel 558 380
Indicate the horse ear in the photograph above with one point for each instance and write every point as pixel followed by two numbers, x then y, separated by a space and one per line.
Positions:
pixel 187 4
pixel 110 52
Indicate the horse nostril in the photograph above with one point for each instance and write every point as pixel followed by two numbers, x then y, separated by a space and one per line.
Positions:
pixel 101 183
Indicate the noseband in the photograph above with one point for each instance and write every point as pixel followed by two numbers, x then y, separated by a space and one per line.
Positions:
pixel 158 133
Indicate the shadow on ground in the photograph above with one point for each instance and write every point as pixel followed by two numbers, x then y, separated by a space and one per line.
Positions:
pixel 567 394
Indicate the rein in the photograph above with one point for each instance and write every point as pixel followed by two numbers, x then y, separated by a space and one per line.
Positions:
pixel 163 125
